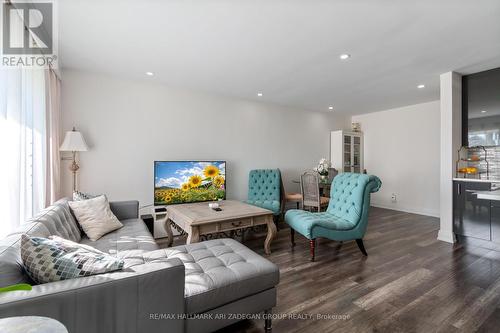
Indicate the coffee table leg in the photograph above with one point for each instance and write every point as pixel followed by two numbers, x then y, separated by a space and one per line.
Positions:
pixel 193 235
pixel 170 235
pixel 271 233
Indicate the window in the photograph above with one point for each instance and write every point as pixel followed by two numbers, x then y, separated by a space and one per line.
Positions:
pixel 22 145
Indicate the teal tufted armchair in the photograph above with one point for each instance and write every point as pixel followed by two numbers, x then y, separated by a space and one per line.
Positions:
pixel 264 189
pixel 346 217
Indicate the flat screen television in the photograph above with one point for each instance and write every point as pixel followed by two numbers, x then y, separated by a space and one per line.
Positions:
pixel 178 182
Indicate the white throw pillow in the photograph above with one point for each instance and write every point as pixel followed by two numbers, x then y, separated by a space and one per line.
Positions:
pixel 95 217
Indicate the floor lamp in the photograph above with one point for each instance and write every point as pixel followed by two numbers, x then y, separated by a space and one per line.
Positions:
pixel 74 142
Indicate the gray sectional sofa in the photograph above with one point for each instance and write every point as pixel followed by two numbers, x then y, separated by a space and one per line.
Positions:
pixel 192 288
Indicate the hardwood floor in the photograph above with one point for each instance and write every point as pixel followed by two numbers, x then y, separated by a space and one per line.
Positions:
pixel 410 282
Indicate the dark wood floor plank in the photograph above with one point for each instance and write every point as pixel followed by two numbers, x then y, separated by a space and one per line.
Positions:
pixel 492 323
pixel 394 289
pixel 410 281
pixel 475 315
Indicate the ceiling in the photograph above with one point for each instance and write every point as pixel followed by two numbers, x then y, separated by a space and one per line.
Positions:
pixel 287 49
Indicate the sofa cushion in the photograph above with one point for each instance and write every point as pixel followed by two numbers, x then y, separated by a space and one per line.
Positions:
pixel 54 220
pixel 11 265
pixel 219 272
pixel 134 235
pixel 48 260
pixel 304 222
pixel 95 216
pixel 36 229
pixel 58 221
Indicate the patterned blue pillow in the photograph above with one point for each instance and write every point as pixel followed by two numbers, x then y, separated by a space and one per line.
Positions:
pixel 79 196
pixel 54 259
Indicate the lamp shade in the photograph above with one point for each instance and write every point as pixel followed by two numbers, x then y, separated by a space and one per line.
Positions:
pixel 73 141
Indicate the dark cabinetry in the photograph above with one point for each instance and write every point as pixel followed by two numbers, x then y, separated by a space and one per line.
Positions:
pixel 471 215
pixel 495 221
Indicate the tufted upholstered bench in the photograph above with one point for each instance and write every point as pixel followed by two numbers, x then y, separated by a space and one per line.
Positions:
pixel 346 217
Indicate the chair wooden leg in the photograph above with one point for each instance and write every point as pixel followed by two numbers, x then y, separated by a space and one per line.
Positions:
pixel 312 245
pixel 292 236
pixel 361 246
pixel 276 219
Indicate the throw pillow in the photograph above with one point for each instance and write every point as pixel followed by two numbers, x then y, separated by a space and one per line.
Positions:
pixel 54 259
pixel 78 196
pixel 95 216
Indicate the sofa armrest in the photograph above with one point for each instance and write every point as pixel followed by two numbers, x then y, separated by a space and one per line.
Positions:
pixel 125 209
pixel 134 300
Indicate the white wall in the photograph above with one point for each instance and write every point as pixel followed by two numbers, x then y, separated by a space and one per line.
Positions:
pixel 402 148
pixel 451 140
pixel 129 124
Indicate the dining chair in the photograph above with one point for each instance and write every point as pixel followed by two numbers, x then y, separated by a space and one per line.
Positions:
pixel 332 173
pixel 294 198
pixel 309 188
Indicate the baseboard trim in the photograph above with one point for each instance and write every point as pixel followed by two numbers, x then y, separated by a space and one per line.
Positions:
pixel 407 210
pixel 446 236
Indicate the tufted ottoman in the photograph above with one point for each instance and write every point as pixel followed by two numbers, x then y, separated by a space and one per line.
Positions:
pixel 222 278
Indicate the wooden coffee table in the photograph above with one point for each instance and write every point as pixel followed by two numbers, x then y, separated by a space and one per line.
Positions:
pixel 197 219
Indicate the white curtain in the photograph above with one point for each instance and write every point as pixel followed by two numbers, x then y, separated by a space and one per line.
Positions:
pixel 53 127
pixel 23 145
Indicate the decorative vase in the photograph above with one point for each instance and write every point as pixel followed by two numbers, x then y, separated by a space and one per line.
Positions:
pixel 323 178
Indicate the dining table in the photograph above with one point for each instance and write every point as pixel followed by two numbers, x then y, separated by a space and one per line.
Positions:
pixel 324 186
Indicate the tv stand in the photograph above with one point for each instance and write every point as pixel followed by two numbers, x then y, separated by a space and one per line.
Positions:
pixel 160 222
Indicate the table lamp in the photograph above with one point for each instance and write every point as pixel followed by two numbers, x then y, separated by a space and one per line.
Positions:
pixel 74 142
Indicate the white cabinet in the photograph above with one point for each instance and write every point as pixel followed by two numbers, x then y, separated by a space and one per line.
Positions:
pixel 346 151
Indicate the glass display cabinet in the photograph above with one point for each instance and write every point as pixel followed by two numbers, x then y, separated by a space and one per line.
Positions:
pixel 346 151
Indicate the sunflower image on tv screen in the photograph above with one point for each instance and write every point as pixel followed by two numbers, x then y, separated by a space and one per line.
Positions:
pixel 179 182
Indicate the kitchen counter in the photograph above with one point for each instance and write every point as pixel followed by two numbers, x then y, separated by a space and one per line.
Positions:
pixel 488 195
pixel 472 180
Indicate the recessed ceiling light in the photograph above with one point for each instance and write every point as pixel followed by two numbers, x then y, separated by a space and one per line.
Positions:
pixel 421 86
pixel 150 73
pixel 483 111
pixel 345 56
pixel 259 94
pixel 330 108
